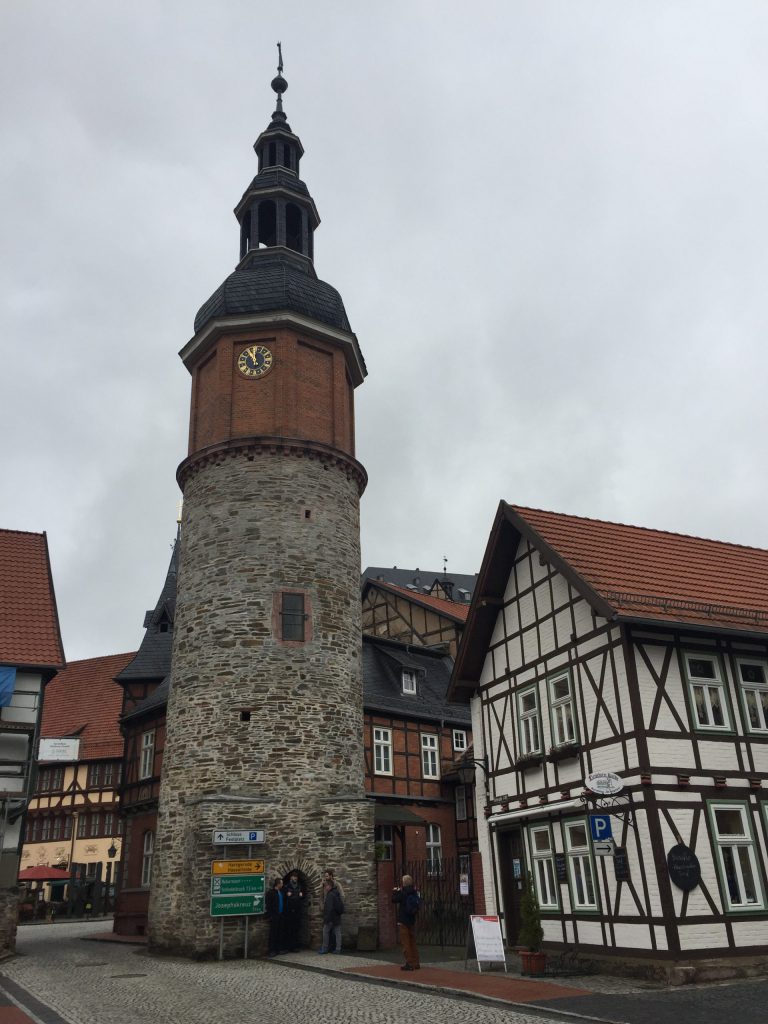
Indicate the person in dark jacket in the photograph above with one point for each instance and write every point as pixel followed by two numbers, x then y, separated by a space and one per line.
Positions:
pixel 274 905
pixel 295 896
pixel 333 908
pixel 407 899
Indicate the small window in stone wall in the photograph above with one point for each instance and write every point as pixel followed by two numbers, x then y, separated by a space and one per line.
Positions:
pixel 292 616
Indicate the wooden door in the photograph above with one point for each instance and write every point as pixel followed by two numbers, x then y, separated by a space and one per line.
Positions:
pixel 511 876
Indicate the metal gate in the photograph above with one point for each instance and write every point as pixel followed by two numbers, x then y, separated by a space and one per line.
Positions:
pixel 444 912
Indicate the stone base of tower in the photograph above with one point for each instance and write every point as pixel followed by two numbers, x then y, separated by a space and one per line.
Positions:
pixel 301 835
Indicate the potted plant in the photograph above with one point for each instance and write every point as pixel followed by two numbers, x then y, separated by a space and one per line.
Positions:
pixel 531 933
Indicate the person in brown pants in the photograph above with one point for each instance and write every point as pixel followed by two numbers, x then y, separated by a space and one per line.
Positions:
pixel 408 901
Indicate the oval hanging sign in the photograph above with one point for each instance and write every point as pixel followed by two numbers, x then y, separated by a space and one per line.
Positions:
pixel 604 783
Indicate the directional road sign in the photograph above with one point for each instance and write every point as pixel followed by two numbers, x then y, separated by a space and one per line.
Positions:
pixel 603 849
pixel 237 867
pixel 236 885
pixel 237 906
pixel 600 826
pixel 221 836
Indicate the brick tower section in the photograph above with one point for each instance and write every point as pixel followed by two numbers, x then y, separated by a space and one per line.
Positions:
pixel 265 715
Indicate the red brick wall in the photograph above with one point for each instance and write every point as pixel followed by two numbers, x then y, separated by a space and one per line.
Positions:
pixel 307 394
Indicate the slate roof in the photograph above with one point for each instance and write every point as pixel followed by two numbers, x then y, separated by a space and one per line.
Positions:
pixel 153 658
pixel 274 281
pixel 627 573
pixel 383 663
pixel 156 700
pixel 456 610
pixel 83 701
pixel 420 579
pixel 29 621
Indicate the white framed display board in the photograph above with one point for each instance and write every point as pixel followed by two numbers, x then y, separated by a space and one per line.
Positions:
pixel 485 932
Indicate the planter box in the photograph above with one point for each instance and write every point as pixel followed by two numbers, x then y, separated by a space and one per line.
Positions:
pixel 533 965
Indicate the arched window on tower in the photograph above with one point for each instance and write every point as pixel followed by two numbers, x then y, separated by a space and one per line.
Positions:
pixel 272 154
pixel 267 223
pixel 287 156
pixel 293 227
pixel 245 234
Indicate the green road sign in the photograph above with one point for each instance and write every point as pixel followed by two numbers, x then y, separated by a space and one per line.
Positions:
pixel 237 906
pixel 236 885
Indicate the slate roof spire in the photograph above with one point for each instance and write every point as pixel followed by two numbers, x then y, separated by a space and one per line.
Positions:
pixel 278 219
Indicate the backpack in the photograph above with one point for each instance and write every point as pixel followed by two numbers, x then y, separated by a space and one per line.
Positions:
pixel 412 902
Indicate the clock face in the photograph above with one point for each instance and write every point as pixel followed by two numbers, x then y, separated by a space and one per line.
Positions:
pixel 255 361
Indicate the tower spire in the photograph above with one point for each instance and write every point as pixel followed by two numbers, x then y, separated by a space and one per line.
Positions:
pixel 279 85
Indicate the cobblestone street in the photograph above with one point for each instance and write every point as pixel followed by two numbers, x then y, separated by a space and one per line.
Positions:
pixel 103 983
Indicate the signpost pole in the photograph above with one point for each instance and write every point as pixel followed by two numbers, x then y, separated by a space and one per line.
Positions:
pixel 245 919
pixel 221 939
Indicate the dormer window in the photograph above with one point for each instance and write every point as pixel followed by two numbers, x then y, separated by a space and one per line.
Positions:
pixel 409 681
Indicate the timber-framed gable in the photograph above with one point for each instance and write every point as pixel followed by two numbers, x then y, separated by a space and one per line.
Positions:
pixel 569 676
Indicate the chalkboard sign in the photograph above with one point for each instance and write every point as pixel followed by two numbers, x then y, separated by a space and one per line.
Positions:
pixel 561 867
pixel 621 864
pixel 684 868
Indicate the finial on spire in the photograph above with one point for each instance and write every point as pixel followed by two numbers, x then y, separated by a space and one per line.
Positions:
pixel 279 85
pixel 445 565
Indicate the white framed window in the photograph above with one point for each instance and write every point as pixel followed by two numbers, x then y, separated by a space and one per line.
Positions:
pixel 542 856
pixel 581 871
pixel 146 770
pixel 707 690
pixel 382 751
pixel 409 681
pixel 95 824
pixel 46 829
pixel 434 849
pixel 561 709
pixel 459 740
pixel 736 859
pixel 753 678
pixel 82 825
pixel 384 841
pixel 529 722
pixel 146 859
pixel 429 763
pixel 461 803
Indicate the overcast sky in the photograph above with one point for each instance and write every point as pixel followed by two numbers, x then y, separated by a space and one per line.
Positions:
pixel 548 222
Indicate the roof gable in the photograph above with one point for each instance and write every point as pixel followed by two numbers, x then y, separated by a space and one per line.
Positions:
pixel 29 620
pixel 450 609
pixel 83 700
pixel 627 573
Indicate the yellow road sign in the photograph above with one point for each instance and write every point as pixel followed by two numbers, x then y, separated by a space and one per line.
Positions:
pixel 237 867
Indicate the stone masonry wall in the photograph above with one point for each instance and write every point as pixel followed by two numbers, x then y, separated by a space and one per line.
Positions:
pixel 257 521
pixel 9 918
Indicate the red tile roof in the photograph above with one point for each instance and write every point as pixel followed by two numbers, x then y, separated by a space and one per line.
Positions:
pixel 83 700
pixel 29 621
pixel 453 609
pixel 644 573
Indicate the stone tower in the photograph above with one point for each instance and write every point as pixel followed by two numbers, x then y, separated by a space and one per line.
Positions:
pixel 265 717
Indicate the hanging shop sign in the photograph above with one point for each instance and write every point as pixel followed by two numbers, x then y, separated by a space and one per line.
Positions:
pixel 604 783
pixel 684 868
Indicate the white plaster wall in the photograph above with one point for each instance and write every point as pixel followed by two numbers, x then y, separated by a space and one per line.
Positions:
pixel 703 936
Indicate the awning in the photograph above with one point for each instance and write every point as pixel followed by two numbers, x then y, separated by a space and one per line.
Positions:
pixel 43 874
pixel 391 814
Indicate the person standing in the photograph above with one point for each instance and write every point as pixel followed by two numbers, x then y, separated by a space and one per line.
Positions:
pixel 333 908
pixel 408 901
pixel 294 912
pixel 274 905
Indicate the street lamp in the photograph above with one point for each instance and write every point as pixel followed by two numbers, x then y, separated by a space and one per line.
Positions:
pixel 466 770
pixel 112 851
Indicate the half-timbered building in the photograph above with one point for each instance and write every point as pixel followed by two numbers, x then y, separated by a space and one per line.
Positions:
pixel 73 820
pixel 31 653
pixel 596 647
pixel 413 616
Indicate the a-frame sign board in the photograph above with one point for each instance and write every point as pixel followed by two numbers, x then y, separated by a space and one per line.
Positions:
pixel 484 941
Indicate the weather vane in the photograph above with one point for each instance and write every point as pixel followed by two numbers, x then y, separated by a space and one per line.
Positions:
pixel 445 565
pixel 279 58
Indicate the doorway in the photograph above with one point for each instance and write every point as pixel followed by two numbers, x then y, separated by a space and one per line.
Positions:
pixel 512 870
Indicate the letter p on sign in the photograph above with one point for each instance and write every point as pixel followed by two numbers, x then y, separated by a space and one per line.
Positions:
pixel 600 827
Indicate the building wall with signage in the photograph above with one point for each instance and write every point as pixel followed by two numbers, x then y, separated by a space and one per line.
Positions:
pixel 681 717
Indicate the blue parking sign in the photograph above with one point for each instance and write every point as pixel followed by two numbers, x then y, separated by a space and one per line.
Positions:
pixel 600 827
